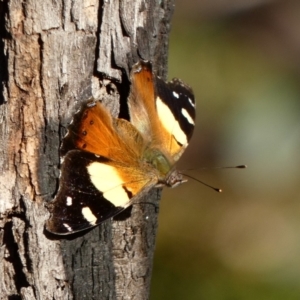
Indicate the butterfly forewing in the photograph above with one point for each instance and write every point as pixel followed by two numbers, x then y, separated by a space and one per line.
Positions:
pixel 180 98
pixel 163 111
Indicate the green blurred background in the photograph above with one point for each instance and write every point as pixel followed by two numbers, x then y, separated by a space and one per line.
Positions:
pixel 242 59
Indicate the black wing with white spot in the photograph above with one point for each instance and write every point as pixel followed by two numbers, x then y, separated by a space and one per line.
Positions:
pixel 180 99
pixel 78 204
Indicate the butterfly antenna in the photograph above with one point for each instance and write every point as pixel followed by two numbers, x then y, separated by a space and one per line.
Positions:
pixel 210 186
pixel 230 167
pixel 233 167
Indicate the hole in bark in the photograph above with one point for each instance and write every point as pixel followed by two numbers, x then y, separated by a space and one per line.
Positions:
pixel 14 297
pixel 124 89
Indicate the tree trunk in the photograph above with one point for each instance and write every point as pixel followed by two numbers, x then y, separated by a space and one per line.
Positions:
pixel 53 56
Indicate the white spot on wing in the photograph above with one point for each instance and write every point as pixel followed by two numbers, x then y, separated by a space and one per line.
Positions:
pixel 191 102
pixel 187 116
pixel 108 181
pixel 88 215
pixel 169 122
pixel 67 227
pixel 176 95
pixel 69 201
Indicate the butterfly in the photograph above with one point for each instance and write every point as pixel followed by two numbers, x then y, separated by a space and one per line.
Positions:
pixel 109 163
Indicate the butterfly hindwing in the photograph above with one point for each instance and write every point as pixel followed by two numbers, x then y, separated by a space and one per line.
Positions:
pixel 93 130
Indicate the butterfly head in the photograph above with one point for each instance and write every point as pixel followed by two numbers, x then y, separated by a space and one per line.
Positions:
pixel 173 179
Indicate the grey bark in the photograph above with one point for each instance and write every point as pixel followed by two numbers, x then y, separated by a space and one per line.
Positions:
pixel 53 56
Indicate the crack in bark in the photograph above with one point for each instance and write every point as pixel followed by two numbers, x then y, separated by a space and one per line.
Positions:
pixel 14 258
pixel 3 59
pixel 16 242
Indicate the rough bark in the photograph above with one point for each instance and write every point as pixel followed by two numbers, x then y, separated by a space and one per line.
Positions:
pixel 53 56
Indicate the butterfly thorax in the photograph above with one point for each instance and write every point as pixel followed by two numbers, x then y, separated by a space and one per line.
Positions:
pixel 167 175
